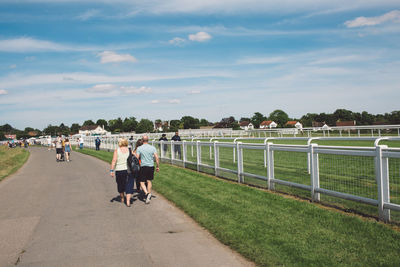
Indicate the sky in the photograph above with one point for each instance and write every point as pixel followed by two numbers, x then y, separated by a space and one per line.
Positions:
pixel 70 61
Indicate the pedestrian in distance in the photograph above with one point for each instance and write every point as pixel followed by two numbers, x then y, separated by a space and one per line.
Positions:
pixel 177 148
pixel 81 143
pixel 119 169
pixel 165 146
pixel 147 154
pixel 97 142
pixel 59 150
pixel 68 149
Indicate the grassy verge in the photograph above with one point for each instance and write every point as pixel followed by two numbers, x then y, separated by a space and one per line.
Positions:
pixel 11 160
pixel 272 230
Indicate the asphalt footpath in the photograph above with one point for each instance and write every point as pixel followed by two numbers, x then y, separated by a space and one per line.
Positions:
pixel 66 214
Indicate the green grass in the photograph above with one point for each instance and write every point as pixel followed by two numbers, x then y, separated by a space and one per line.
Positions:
pixel 272 230
pixel 11 160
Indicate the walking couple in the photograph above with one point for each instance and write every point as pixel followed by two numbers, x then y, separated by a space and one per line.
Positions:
pixel 146 154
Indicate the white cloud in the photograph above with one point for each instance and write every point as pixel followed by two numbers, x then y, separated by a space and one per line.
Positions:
pixel 134 90
pixel 174 101
pixel 88 14
pixel 393 16
pixel 177 41
pixel 112 57
pixel 102 88
pixel 26 44
pixel 199 37
pixel 156 101
pixel 13 66
pixel 195 92
pixel 3 92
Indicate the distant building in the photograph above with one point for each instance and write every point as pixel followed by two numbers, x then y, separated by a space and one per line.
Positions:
pixel 268 124
pixel 32 133
pixel 10 136
pixel 246 125
pixel 160 126
pixel 92 130
pixel 317 124
pixel 290 123
pixel 346 123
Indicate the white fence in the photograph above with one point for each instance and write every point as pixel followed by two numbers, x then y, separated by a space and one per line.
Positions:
pixel 369 175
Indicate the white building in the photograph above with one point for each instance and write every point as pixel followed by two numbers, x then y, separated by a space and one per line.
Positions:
pixel 92 130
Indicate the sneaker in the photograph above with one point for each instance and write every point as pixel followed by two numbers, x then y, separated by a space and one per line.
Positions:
pixel 148 198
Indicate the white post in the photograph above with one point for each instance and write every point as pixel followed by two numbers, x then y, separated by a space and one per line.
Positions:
pixel 314 173
pixel 198 155
pixel 162 149
pixel 382 179
pixel 184 148
pixel 216 158
pixel 239 161
pixel 172 151
pixel 271 171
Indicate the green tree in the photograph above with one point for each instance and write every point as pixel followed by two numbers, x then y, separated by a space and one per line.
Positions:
pixel 64 130
pixel 343 115
pixel 394 117
pixel 2 136
pixel 102 122
pixel 145 126
pixel 257 119
pixel 244 119
pixel 307 119
pixel 115 125
pixel 204 122
pixel 174 125
pixel 190 122
pixel 279 116
pixel 7 128
pixel 88 123
pixel 51 130
pixel 129 124
pixel 75 128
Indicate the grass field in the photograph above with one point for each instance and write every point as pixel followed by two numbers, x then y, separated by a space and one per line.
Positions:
pixel 11 160
pixel 273 230
pixel 353 175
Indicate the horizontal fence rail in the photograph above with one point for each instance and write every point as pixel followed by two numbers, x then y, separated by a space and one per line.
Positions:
pixel 368 175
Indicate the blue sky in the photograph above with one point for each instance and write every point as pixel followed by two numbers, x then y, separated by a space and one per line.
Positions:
pixel 69 61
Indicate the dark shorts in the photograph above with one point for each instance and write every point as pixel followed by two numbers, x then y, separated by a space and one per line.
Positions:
pixel 121 177
pixel 146 173
pixel 59 150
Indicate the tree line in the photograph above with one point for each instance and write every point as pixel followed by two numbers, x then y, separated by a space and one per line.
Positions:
pixel 131 124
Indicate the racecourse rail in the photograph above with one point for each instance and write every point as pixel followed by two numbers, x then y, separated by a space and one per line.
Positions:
pixel 369 175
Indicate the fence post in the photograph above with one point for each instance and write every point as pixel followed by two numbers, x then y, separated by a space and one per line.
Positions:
pixel 314 172
pixel 162 149
pixel 172 151
pixel 382 180
pixel 270 166
pixel 239 151
pixel 184 153
pixel 198 155
pixel 216 158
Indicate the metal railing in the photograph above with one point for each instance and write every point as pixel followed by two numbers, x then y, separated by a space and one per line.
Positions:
pixel 369 175
pixel 358 174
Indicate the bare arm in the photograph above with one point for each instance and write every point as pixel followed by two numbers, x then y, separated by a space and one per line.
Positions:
pixel 157 162
pixel 113 162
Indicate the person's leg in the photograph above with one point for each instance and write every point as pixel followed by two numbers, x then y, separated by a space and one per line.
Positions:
pixel 149 186
pixel 143 187
pixel 129 190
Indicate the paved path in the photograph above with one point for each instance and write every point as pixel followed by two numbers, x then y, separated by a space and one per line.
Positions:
pixel 62 214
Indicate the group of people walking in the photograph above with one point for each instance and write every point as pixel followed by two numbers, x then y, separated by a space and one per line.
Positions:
pixel 125 176
pixel 63 149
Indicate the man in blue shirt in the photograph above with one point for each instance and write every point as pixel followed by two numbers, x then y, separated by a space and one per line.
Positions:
pixel 98 142
pixel 147 153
